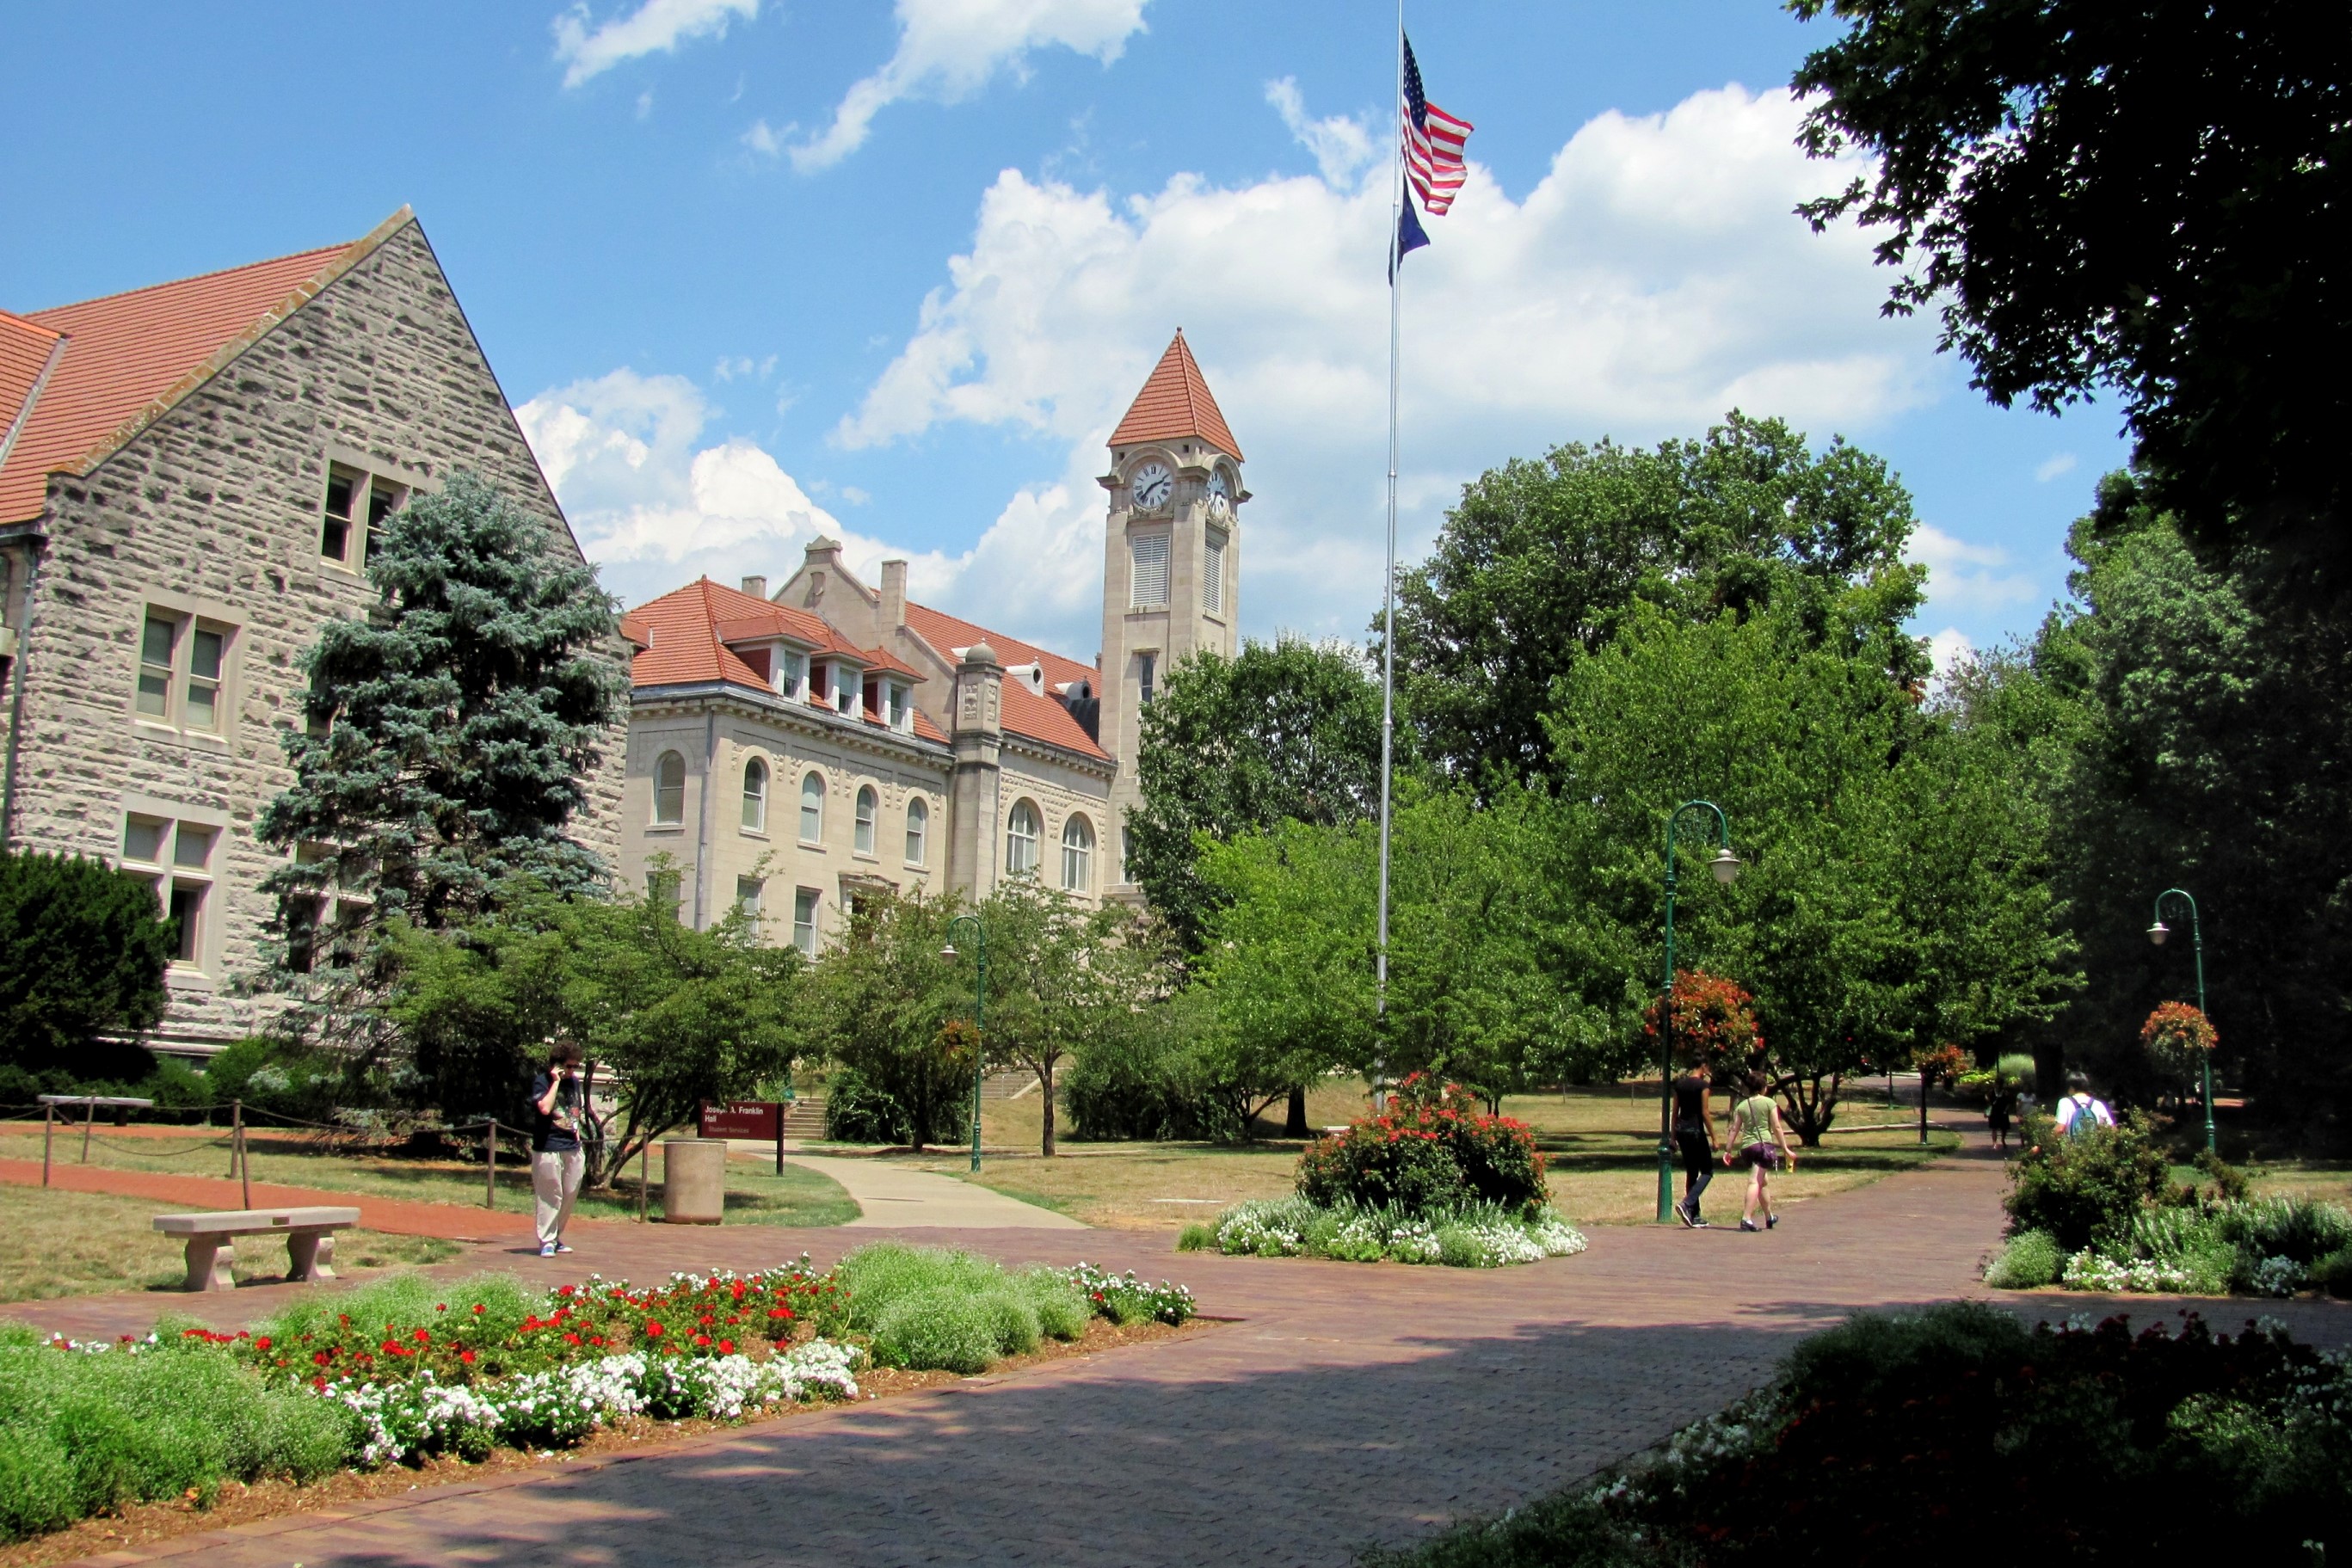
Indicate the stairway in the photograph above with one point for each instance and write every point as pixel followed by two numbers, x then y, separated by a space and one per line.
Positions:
pixel 1010 1083
pixel 804 1119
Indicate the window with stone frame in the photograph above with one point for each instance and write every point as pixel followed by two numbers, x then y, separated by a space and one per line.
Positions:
pixel 1022 828
pixel 804 902
pixel 669 789
pixel 869 806
pixel 919 829
pixel 750 893
pixel 1149 577
pixel 755 796
pixel 325 925
pixel 1077 854
pixel 813 808
pixel 1213 574
pixel 176 858
pixel 353 516
pixel 183 671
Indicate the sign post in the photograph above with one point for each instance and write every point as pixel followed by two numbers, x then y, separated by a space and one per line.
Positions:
pixel 747 1119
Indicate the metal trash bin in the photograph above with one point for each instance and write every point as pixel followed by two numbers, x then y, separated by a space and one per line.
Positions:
pixel 694 1180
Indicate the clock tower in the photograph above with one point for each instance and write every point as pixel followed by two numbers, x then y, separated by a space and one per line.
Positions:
pixel 1171 557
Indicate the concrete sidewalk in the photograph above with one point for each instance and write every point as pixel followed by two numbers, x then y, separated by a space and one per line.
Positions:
pixel 893 1197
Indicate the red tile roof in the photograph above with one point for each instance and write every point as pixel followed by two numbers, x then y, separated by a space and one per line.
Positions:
pixel 683 637
pixel 1175 404
pixel 127 355
pixel 1040 718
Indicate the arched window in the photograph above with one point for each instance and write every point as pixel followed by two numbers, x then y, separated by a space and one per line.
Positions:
pixel 919 826
pixel 1077 854
pixel 755 796
pixel 1022 831
pixel 867 805
pixel 669 789
pixel 812 808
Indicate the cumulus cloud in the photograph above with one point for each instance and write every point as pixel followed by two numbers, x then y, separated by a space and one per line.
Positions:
pixel 655 27
pixel 1948 649
pixel 1343 147
pixel 949 49
pixel 1652 280
pixel 1968 577
pixel 2061 462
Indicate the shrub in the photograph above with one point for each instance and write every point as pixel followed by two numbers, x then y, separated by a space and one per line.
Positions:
pixel 1196 1237
pixel 2190 1242
pixel 1427 1156
pixel 2333 1274
pixel 937 1330
pixel 1061 1309
pixel 1469 1236
pixel 928 1308
pixel 2300 1229
pixel 855 1112
pixel 1148 1083
pixel 2086 1190
pixel 82 952
pixel 2031 1259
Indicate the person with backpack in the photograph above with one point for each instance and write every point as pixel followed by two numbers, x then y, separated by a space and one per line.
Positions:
pixel 557 1161
pixel 1759 1139
pixel 2079 1112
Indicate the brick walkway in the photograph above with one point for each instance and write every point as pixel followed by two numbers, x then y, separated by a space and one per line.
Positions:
pixel 1350 1404
pixel 172 1191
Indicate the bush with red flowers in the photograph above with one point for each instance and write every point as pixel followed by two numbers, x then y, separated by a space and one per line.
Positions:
pixel 1713 1021
pixel 1432 1151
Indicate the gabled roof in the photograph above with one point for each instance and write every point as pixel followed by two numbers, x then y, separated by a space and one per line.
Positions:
pixel 1175 404
pixel 129 357
pixel 1039 718
pixel 682 640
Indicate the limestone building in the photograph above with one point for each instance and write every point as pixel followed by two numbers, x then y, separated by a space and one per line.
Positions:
pixel 189 476
pixel 790 750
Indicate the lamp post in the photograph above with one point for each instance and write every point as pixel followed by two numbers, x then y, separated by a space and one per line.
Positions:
pixel 2157 933
pixel 1726 866
pixel 979 1014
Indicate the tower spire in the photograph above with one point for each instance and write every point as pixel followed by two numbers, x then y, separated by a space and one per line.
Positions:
pixel 1176 404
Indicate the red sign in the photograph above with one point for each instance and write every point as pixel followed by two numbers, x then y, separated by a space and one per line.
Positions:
pixel 762 1119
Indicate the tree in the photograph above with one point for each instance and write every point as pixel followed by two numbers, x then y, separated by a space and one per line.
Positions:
pixel 82 954
pixel 450 732
pixel 878 1001
pixel 1542 561
pixel 1064 979
pixel 2144 196
pixel 1282 731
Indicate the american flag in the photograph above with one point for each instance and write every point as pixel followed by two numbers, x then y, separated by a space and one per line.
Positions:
pixel 1433 144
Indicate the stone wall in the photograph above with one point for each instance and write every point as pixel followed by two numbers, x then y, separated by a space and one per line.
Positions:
pixel 213 511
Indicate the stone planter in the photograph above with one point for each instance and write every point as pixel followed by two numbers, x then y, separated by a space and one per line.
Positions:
pixel 694 1180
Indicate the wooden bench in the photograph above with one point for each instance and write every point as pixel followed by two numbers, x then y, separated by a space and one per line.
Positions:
pixel 212 1240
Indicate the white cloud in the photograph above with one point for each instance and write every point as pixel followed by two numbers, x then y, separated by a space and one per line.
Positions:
pixel 2063 462
pixel 763 140
pixel 1963 576
pixel 1652 280
pixel 1948 650
pixel 949 49
pixel 1343 148
pixel 658 27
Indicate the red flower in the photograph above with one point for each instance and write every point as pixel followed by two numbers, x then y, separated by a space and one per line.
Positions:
pixel 261 1343
pixel 423 1336
pixel 702 1339
pixel 389 1347
pixel 440 1306
pixel 654 1330
pixel 478 1311
pixel 572 1338
pixel 726 1347
pixel 780 1311
pixel 467 1356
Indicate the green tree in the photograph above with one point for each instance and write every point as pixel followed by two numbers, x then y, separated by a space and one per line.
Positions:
pixel 82 954
pixel 451 731
pixel 1540 563
pixel 2144 196
pixel 878 1001
pixel 1281 732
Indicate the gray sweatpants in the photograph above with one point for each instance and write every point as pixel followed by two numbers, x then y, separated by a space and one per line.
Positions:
pixel 554 1183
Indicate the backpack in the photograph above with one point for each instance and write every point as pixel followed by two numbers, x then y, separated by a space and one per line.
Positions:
pixel 2085 1116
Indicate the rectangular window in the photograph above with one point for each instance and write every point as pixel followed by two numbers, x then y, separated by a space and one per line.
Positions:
pixel 192 847
pixel 205 648
pixel 1149 554
pixel 384 499
pixel 302 916
pixel 1213 571
pixel 143 840
pixel 173 859
pixel 1146 666
pixel 791 669
pixel 747 891
pixel 156 643
pixel 187 912
pixel 662 890
pixel 335 532
pixel 804 920
pixel 352 522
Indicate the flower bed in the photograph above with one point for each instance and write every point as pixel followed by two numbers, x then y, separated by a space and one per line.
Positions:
pixel 407 1367
pixel 1487 1236
pixel 2261 1247
pixel 1882 1440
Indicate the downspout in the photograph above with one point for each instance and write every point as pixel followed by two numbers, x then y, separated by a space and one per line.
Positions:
pixel 702 839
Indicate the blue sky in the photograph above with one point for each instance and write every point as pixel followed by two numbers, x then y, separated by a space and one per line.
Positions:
pixel 754 270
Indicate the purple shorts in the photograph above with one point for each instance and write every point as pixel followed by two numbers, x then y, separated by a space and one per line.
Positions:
pixel 1761 1156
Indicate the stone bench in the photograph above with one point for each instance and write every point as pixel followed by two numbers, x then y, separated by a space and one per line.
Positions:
pixel 212 1240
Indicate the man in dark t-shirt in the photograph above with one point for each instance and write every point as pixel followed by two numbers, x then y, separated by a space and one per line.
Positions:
pixel 1695 1138
pixel 557 1161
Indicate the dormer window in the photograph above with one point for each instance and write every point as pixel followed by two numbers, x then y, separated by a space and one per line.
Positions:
pixel 844 688
pixel 818 671
pixel 791 674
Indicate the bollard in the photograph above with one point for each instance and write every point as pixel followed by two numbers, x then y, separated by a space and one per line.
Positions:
pixel 490 1167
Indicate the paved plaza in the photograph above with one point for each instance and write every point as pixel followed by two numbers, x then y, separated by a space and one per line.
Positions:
pixel 1341 1404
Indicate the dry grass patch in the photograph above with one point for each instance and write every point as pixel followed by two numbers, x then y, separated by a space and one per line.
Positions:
pixel 56 1243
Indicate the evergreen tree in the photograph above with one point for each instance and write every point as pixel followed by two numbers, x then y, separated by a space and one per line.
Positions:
pixel 450 731
pixel 82 952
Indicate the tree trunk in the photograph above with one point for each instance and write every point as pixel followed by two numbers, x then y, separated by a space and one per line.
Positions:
pixel 1294 1125
pixel 1045 1085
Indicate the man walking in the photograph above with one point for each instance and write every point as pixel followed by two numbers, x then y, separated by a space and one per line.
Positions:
pixel 556 1160
pixel 1695 1137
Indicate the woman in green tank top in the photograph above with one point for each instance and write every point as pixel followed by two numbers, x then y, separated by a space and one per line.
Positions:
pixel 1761 1140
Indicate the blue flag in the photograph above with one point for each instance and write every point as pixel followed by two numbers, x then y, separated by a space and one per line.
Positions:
pixel 1410 235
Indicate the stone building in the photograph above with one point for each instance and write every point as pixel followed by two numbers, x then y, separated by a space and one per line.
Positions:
pixel 190 475
pixel 790 750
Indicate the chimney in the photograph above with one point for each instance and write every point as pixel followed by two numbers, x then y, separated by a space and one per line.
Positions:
pixel 757 587
pixel 894 594
pixel 822 554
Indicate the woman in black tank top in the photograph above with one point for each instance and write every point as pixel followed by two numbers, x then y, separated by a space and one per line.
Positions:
pixel 1694 1139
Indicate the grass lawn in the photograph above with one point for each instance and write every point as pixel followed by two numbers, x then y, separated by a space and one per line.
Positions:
pixel 2330 1180
pixel 755 1193
pixel 56 1243
pixel 1602 1145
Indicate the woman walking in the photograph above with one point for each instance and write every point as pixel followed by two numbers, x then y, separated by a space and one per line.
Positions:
pixel 2001 1111
pixel 556 1160
pixel 1759 1138
pixel 1695 1136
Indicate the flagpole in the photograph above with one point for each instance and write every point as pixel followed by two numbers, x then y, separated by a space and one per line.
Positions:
pixel 1387 580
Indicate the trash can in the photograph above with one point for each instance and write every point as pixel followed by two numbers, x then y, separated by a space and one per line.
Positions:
pixel 694 1180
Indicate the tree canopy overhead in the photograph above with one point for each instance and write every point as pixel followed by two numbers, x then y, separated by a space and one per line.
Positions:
pixel 2147 195
pixel 1543 560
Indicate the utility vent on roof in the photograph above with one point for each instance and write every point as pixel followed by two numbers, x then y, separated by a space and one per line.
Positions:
pixel 1030 675
pixel 1150 575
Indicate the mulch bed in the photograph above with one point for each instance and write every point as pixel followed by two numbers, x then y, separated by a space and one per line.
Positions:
pixel 143 1526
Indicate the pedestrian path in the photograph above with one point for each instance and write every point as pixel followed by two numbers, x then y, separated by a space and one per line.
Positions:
pixel 173 1193
pixel 893 1196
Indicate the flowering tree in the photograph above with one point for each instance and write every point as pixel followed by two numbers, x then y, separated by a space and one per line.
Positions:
pixel 2178 1039
pixel 1941 1063
pixel 1713 1021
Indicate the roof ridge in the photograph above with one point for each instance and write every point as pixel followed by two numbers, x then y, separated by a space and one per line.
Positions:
pixel 191 278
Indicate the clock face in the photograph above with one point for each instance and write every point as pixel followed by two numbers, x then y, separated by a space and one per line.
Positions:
pixel 1152 485
pixel 1221 496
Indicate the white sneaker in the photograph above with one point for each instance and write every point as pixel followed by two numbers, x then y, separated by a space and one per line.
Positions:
pixel 546 1250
